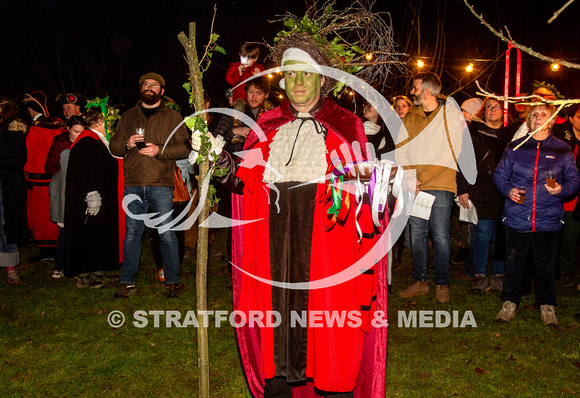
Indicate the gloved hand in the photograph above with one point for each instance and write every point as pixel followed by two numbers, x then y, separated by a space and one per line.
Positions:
pixel 217 145
pixel 93 200
pixel 196 141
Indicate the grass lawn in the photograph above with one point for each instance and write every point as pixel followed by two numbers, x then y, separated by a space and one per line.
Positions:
pixel 56 341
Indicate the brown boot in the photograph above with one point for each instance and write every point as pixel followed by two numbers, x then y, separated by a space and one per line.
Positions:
pixel 417 288
pixel 442 294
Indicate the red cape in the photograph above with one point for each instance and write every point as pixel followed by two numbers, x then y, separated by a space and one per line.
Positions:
pixel 338 358
pixel 38 142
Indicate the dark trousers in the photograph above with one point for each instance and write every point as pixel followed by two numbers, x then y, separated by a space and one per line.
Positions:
pixel 544 245
pixel 278 388
pixel 59 254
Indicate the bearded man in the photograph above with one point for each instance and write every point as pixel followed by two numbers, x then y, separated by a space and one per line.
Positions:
pixel 283 184
pixel 141 134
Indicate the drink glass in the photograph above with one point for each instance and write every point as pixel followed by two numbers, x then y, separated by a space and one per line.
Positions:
pixel 522 191
pixel 551 179
pixel 140 131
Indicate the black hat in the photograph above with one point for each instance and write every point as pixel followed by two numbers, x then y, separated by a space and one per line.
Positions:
pixel 70 98
pixel 36 101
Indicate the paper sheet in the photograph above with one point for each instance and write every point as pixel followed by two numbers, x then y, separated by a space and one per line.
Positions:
pixel 422 205
pixel 467 215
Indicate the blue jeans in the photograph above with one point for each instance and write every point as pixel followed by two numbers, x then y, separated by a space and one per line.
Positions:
pixel 480 236
pixel 160 200
pixel 439 226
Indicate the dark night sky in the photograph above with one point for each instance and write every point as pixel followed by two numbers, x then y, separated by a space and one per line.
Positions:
pixel 101 48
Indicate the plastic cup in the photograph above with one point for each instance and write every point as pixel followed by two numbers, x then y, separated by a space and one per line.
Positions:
pixel 522 191
pixel 551 179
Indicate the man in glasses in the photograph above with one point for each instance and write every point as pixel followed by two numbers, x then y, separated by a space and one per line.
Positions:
pixel 143 140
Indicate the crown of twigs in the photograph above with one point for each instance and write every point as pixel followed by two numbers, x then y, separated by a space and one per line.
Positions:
pixel 354 40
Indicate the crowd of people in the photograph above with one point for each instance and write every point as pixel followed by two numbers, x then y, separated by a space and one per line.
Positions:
pixel 49 142
pixel 84 197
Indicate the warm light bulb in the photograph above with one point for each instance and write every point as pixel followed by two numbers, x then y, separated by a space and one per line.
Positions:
pixel 270 76
pixel 420 63
pixel 350 93
pixel 278 70
pixel 555 67
pixel 281 96
pixel 469 68
pixel 369 56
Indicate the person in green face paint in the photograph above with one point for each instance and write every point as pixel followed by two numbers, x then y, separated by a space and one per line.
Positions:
pixel 296 240
pixel 302 87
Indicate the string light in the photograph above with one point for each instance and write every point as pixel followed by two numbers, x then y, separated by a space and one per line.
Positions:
pixel 555 67
pixel 281 96
pixel 270 76
pixel 369 56
pixel 469 68
pixel 420 63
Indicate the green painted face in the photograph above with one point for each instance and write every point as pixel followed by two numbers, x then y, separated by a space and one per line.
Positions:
pixel 302 87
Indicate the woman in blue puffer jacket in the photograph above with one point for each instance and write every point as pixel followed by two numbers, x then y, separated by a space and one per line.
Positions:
pixel 539 217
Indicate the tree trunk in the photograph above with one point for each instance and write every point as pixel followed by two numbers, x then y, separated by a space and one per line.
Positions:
pixel 202 240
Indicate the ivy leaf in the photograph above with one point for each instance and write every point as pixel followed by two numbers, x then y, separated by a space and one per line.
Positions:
pixel 357 68
pixel 334 41
pixel 214 37
pixel 328 10
pixel 220 49
pixel 190 122
pixel 187 87
pixel 339 86
pixel 290 23
pixel 357 49
pixel 337 48
pixel 221 172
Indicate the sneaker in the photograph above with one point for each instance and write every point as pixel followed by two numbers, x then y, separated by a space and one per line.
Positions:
pixel 12 277
pixel 497 283
pixel 442 293
pixel 57 274
pixel 172 290
pixel 480 284
pixel 125 290
pixel 160 275
pixel 566 279
pixel 548 315
pixel 84 281
pixel 507 313
pixel 417 288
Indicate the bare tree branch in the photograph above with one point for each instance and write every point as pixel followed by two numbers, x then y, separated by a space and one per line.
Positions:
pixel 525 49
pixel 557 13
pixel 531 100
